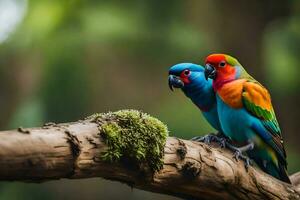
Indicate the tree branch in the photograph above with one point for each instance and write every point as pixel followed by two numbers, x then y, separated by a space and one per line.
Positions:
pixel 190 169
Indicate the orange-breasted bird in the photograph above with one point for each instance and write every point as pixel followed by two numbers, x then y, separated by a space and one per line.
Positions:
pixel 246 114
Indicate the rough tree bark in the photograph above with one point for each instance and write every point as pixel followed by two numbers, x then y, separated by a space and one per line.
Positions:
pixel 190 169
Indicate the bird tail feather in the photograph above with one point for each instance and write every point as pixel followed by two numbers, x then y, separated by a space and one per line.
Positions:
pixel 272 169
pixel 283 174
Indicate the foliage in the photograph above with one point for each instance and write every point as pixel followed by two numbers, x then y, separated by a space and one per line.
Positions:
pixel 133 136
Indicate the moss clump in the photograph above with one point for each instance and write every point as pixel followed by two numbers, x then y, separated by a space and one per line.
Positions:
pixel 133 136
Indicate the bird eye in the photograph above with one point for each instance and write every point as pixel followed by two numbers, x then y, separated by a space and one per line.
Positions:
pixel 186 72
pixel 222 64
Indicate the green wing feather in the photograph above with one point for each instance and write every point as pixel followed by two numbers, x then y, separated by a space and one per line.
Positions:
pixel 257 101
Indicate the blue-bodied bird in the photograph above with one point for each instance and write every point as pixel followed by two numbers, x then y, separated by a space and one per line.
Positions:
pixel 191 79
pixel 246 114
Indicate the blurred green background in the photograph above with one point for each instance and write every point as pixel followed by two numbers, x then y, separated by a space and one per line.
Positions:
pixel 61 60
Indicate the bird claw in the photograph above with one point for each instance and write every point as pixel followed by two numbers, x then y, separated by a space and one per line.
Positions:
pixel 248 163
pixel 222 142
pixel 238 155
pixel 207 139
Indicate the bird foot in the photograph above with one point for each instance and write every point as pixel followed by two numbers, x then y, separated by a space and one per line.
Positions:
pixel 238 155
pixel 207 139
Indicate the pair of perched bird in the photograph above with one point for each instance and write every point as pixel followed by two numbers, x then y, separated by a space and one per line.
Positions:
pixel 237 106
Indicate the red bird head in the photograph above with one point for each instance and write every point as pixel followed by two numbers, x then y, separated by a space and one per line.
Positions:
pixel 220 66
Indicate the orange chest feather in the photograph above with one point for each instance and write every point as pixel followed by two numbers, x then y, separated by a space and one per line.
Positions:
pixel 231 93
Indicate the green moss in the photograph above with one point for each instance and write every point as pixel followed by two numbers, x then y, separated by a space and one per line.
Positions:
pixel 133 136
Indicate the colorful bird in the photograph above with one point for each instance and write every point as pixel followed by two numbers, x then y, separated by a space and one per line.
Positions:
pixel 246 114
pixel 190 78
